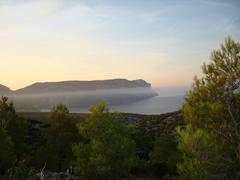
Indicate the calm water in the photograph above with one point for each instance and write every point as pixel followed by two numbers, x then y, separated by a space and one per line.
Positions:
pixel 155 105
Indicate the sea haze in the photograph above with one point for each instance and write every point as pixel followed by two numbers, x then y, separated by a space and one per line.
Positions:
pixel 154 105
pixel 122 95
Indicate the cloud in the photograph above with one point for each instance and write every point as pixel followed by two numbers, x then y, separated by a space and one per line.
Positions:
pixel 19 11
pixel 220 3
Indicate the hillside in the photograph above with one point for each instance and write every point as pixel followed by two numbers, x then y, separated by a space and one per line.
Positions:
pixel 154 124
pixel 76 94
pixel 4 90
pixel 72 86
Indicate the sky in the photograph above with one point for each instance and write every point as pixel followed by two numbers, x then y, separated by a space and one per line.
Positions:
pixel 164 42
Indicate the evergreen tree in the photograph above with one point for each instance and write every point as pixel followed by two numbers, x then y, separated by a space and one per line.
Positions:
pixel 213 108
pixel 203 156
pixel 15 126
pixel 7 153
pixel 106 150
pixel 59 137
pixel 165 156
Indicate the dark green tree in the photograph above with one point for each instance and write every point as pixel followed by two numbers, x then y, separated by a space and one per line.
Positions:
pixel 60 135
pixel 7 153
pixel 107 150
pixel 165 156
pixel 7 112
pixel 15 126
pixel 203 156
pixel 18 129
pixel 212 107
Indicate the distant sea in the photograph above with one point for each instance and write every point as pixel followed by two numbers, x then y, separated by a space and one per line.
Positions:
pixel 154 105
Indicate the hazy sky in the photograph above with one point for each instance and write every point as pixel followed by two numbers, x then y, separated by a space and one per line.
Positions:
pixel 162 41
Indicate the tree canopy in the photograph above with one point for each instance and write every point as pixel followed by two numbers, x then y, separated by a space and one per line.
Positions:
pixel 106 150
pixel 212 108
pixel 59 137
pixel 7 152
pixel 14 125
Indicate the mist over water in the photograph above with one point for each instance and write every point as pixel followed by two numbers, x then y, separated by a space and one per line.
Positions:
pixel 79 100
pixel 140 100
pixel 154 105
pixel 172 90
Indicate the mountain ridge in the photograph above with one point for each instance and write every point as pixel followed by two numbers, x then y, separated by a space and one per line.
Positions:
pixel 5 89
pixel 76 85
pixel 63 86
pixel 75 94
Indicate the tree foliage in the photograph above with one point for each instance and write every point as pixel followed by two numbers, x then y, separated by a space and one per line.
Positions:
pixel 203 157
pixel 212 108
pixel 15 126
pixel 106 150
pixel 7 152
pixel 17 130
pixel 165 155
pixel 214 102
pixel 7 112
pixel 59 137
